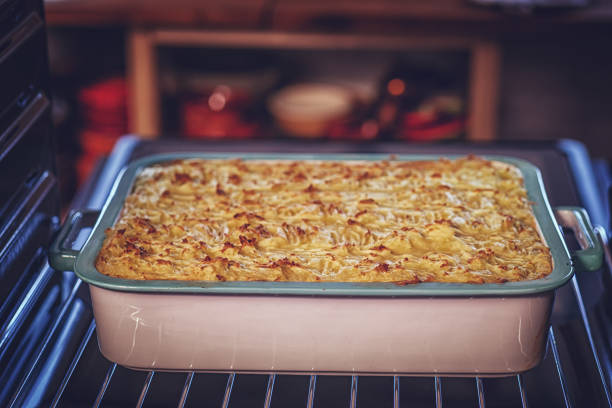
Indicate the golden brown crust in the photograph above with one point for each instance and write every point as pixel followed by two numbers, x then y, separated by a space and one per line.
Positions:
pixel 466 220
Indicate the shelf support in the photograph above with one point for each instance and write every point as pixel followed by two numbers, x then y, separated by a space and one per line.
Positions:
pixel 484 91
pixel 143 103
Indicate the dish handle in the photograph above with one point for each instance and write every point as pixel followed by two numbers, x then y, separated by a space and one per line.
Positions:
pixel 62 257
pixel 590 257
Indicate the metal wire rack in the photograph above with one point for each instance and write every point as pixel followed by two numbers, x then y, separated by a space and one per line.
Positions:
pixel 437 396
pixel 68 370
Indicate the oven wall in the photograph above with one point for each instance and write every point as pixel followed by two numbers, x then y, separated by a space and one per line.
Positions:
pixel 29 198
pixel 553 88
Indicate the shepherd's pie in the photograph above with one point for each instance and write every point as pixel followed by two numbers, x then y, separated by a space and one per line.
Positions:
pixel 465 220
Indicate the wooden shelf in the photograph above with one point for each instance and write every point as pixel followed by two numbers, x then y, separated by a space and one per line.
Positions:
pixel 306 24
pixel 142 65
pixel 234 13
pixel 317 41
pixel 293 14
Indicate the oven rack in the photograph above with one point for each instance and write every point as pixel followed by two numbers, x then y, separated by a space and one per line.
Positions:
pixel 67 369
pixel 437 399
pixel 554 365
pixel 271 379
pixel 266 398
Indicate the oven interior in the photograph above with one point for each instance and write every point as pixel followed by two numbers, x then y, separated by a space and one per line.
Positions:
pixel 48 349
pixel 50 337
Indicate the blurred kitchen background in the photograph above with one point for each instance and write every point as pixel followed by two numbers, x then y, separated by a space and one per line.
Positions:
pixel 417 71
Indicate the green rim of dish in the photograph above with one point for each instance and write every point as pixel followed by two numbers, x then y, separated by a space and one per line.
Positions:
pixel 562 265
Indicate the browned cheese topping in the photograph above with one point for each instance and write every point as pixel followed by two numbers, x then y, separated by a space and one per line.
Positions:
pixel 466 220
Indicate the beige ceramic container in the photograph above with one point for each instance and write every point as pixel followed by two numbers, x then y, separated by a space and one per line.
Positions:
pixel 451 336
pixel 332 327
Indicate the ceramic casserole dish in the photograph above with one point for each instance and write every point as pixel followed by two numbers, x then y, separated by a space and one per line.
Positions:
pixel 325 327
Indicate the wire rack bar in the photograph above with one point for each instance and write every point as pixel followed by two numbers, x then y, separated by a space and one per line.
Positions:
pixel 269 390
pixel 521 387
pixel 587 330
pixel 396 391
pixel 480 390
pixel 553 346
pixel 145 389
pixel 228 390
pixel 603 239
pixel 585 319
pixel 73 363
pixel 47 340
pixel 354 383
pixel 7 332
pixel 186 388
pixel 312 385
pixel 105 384
pixel 438 390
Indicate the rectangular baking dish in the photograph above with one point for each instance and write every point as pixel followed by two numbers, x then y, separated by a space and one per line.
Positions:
pixel 331 327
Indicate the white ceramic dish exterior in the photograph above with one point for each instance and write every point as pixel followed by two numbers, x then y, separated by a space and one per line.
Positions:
pixel 450 336
pixel 306 110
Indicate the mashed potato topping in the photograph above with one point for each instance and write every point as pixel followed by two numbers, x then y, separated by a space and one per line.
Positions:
pixel 465 220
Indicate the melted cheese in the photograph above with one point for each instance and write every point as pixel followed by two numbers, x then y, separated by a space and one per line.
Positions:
pixel 467 220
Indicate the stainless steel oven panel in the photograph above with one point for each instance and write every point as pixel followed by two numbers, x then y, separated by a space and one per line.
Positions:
pixel 26 152
pixel 23 64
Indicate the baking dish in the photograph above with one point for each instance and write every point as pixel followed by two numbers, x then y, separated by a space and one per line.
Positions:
pixel 376 328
